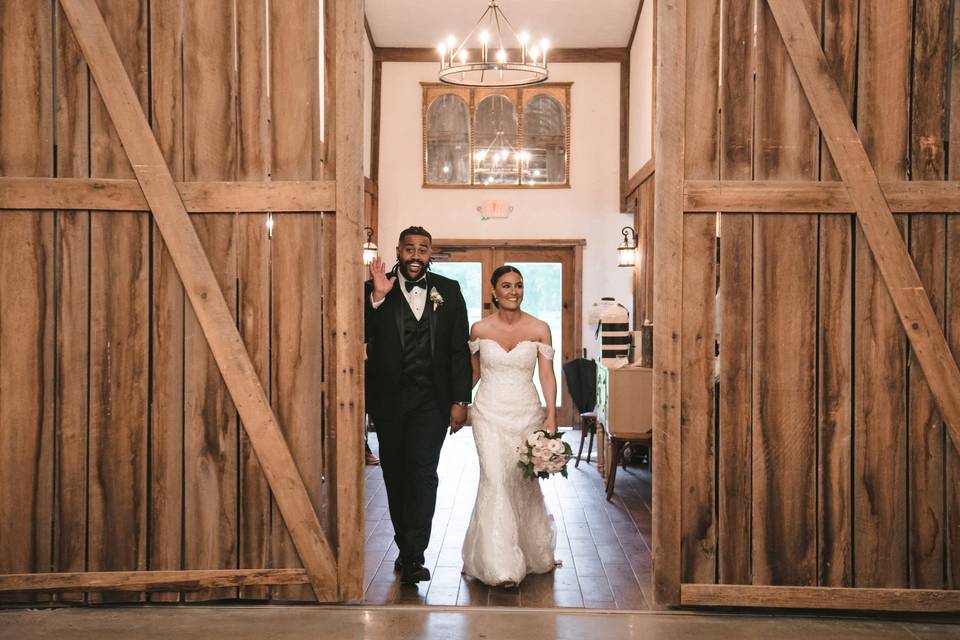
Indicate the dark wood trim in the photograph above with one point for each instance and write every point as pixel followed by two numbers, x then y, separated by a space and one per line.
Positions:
pixel 520 243
pixel 814 197
pixel 366 27
pixel 633 32
pixel 375 111
pixel 103 194
pixel 730 595
pixel 668 298
pixel 641 176
pixel 425 54
pixel 624 129
pixel 193 580
pixel 370 186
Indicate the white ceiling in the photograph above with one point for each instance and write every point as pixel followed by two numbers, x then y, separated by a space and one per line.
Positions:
pixel 566 23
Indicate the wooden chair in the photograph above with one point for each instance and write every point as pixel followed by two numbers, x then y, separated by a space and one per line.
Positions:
pixel 615 454
pixel 588 425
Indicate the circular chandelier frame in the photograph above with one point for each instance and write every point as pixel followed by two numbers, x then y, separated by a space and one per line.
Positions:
pixel 496 70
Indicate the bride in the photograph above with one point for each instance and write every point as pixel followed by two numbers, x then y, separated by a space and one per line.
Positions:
pixel 511 533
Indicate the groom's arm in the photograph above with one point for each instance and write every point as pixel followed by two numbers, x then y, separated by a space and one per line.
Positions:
pixel 460 365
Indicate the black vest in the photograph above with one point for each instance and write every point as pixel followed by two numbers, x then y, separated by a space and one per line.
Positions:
pixel 416 349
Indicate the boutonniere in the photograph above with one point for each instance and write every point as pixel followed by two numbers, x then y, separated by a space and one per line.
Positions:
pixel 436 298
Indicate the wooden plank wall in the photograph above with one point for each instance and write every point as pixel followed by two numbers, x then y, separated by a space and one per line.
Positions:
pixel 823 461
pixel 120 448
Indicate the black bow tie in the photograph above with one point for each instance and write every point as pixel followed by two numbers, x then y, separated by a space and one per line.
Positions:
pixel 422 283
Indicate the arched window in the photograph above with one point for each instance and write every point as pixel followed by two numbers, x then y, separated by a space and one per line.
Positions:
pixel 496 153
pixel 448 141
pixel 544 159
pixel 508 137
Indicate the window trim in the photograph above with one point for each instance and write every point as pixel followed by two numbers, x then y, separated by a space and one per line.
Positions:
pixel 519 96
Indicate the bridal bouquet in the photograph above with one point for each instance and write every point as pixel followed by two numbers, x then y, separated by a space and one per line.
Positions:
pixel 542 454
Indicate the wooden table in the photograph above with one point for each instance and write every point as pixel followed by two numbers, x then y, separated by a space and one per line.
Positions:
pixel 624 415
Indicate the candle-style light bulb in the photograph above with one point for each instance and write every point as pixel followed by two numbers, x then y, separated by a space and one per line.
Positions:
pixel 442 48
pixel 501 56
pixel 463 56
pixel 523 47
pixel 534 54
pixel 544 45
pixel 484 37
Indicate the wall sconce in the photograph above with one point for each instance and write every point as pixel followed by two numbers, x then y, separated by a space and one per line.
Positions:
pixel 627 251
pixel 369 248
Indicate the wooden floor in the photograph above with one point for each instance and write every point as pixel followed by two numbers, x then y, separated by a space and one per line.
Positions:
pixel 604 546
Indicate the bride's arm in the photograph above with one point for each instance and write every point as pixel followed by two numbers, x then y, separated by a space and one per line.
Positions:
pixel 548 382
pixel 474 359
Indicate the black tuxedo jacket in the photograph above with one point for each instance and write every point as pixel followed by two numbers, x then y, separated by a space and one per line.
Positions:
pixel 450 361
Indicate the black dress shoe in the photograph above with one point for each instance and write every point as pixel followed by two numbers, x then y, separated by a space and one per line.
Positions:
pixel 413 572
pixel 397 565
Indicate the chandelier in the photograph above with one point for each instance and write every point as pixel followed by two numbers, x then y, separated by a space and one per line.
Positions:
pixel 491 64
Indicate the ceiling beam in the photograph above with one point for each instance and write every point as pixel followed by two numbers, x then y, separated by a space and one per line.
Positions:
pixel 429 54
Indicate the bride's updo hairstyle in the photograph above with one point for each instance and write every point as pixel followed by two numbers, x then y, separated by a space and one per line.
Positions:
pixel 498 273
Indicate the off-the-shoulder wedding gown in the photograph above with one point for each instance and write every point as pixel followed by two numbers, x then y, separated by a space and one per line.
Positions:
pixel 511 533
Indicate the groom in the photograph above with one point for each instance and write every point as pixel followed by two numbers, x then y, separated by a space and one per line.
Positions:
pixel 418 383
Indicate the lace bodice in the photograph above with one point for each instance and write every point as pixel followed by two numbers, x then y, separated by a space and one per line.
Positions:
pixel 502 367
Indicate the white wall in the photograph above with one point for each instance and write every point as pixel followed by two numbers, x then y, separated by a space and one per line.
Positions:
pixel 367 102
pixel 589 209
pixel 641 91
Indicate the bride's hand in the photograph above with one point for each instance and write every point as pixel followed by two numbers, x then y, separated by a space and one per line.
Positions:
pixel 550 425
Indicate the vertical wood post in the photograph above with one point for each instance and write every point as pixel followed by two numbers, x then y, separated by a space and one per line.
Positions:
pixel 348 322
pixel 668 259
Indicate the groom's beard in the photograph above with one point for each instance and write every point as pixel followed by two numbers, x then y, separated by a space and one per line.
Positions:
pixel 405 269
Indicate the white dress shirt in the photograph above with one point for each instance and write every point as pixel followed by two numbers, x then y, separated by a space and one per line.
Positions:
pixel 416 298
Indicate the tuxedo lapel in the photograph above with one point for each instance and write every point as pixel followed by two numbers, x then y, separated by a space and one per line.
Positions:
pixel 431 317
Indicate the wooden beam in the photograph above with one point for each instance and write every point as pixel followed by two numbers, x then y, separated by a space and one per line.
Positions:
pixel 375 119
pixel 366 28
pixel 636 23
pixel 814 197
pixel 729 595
pixel 876 219
pixel 481 243
pixel 150 580
pixel 204 293
pixel 624 129
pixel 104 194
pixel 668 298
pixel 425 54
pixel 348 419
pixel 641 176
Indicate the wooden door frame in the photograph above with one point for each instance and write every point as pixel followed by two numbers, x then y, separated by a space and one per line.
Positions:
pixel 873 212
pixel 332 566
pixel 575 247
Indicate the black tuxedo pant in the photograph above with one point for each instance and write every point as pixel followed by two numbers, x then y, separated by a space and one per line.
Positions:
pixel 410 441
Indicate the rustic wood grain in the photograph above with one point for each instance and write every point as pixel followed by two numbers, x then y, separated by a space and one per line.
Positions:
pixel 205 297
pixel 880 428
pixel 788 597
pixel 735 299
pixel 119 331
pixel 668 263
pixel 926 437
pixel 210 418
pixel 297 324
pixel 835 338
pixel 72 309
pixel 780 197
pixel 212 196
pixel 698 439
pixel 952 451
pixel 254 247
pixel 784 426
pixel 113 581
pixel 166 418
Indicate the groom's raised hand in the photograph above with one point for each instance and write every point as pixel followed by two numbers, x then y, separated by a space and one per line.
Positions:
pixel 458 418
pixel 382 283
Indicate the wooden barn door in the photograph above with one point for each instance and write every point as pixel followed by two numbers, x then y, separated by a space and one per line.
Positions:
pixel 814 461
pixel 181 348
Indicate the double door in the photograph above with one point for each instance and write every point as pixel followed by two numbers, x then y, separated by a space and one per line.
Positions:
pixel 551 291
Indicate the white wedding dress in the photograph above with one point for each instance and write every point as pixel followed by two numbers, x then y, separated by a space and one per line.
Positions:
pixel 511 533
